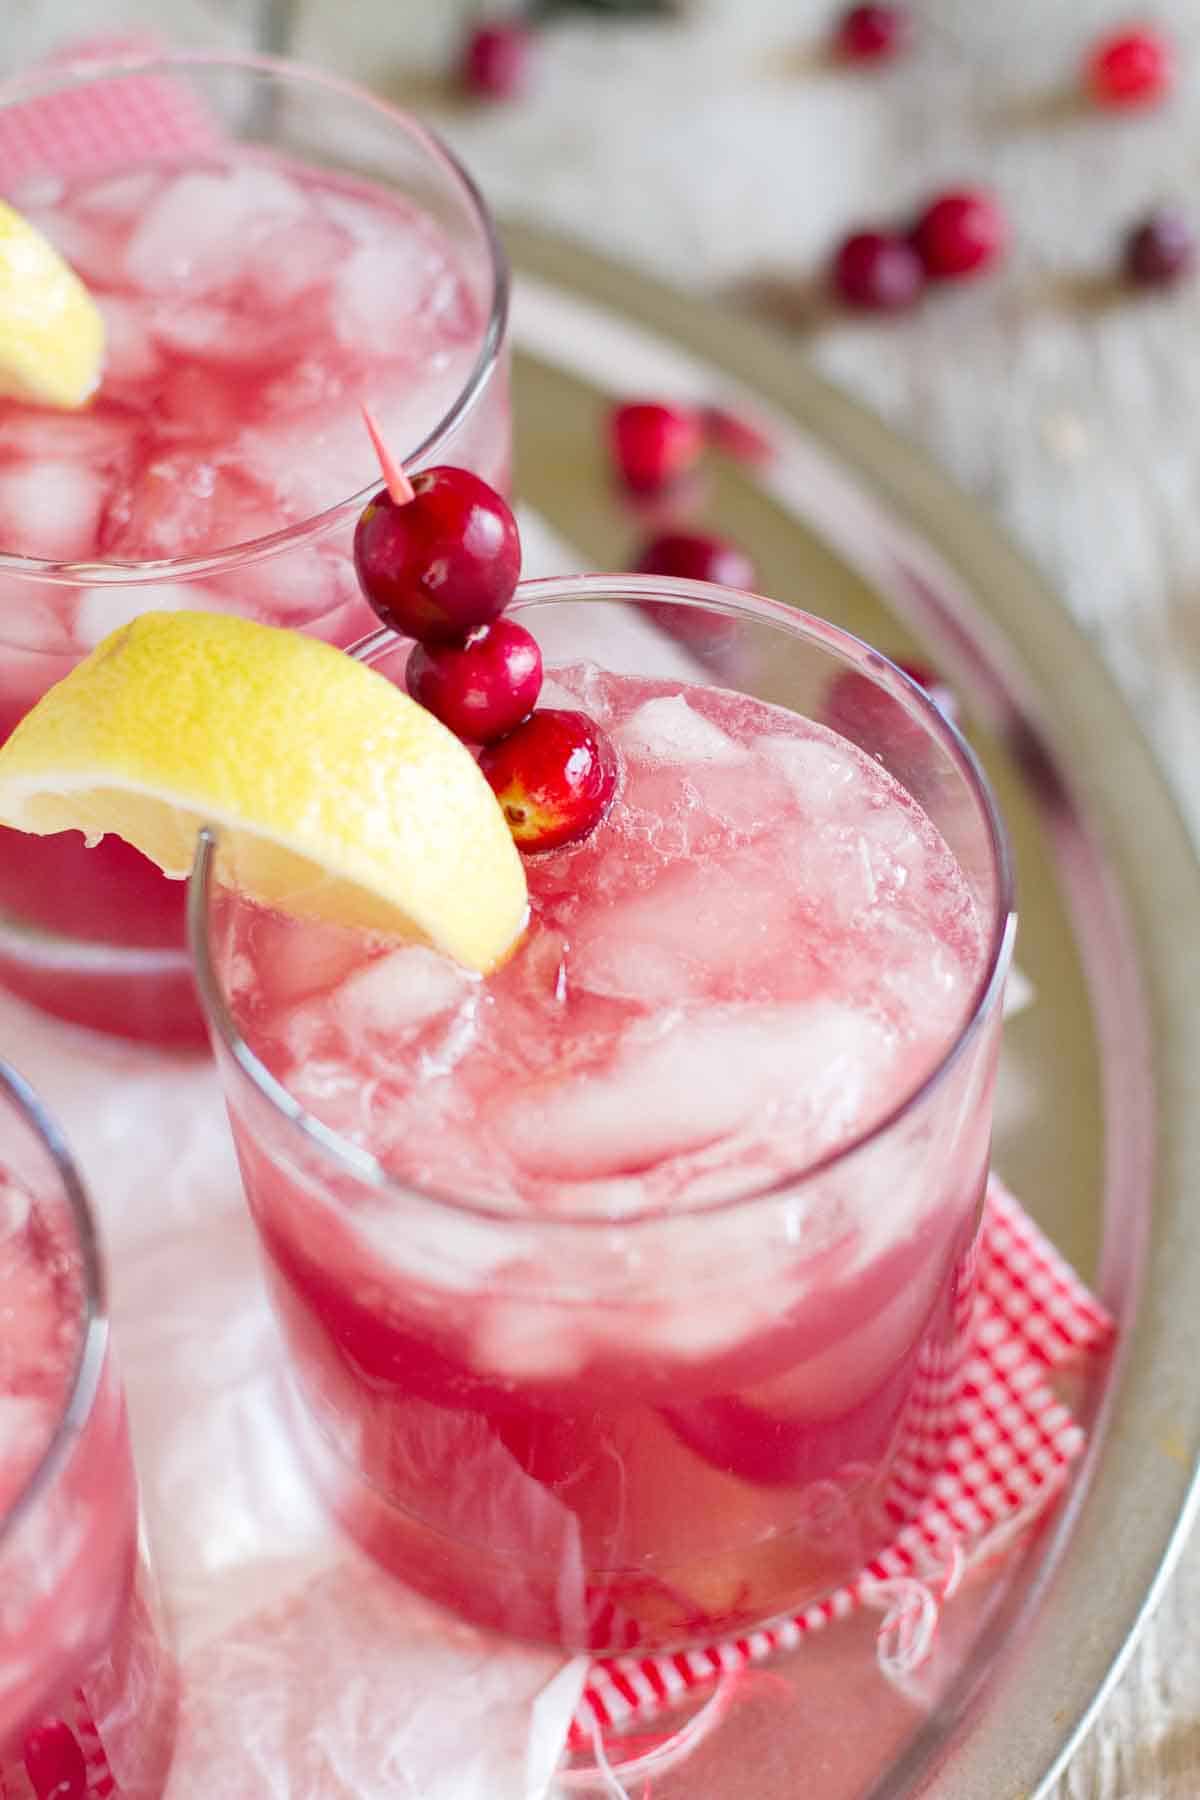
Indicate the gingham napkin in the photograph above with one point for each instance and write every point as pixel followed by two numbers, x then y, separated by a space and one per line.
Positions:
pixel 986 1447
pixel 106 126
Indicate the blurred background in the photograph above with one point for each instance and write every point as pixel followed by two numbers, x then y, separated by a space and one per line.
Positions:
pixel 722 146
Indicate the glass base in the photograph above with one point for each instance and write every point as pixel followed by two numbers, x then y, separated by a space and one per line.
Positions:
pixel 143 994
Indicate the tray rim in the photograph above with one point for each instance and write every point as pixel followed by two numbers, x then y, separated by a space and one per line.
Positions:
pixel 1077 1620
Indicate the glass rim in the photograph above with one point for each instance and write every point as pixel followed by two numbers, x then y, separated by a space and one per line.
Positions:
pixel 361 1165
pixel 84 1385
pixel 79 72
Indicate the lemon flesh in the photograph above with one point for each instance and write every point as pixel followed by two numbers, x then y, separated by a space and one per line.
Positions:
pixel 51 330
pixel 334 795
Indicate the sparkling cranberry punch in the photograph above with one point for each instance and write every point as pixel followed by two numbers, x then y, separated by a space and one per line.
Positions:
pixel 625 1283
pixel 279 249
pixel 87 1687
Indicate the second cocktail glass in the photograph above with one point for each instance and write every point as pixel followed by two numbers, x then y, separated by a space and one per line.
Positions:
pixel 626 1289
pixel 88 1685
pixel 270 247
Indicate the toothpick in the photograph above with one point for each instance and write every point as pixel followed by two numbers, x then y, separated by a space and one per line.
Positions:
pixel 395 480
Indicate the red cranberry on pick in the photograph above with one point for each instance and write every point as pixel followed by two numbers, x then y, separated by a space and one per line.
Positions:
pixel 55 1763
pixel 555 777
pixel 482 686
pixel 654 444
pixel 495 59
pixel 696 556
pixel 441 563
pixel 878 271
pixel 872 33
pixel 1133 67
pixel 1161 250
pixel 960 233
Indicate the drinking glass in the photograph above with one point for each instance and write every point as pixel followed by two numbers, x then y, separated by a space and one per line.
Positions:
pixel 87 1682
pixel 609 1427
pixel 97 936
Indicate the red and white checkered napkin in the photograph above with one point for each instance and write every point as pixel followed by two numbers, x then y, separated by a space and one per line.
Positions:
pixel 987 1445
pixel 128 118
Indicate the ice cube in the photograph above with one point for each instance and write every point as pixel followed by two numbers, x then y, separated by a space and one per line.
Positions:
pixel 87 437
pixel 37 190
pixel 199 232
pixel 293 259
pixel 667 729
pixel 123 196
pixel 380 292
pixel 809 1075
pixel 184 503
pixel 219 334
pixel 129 352
pixel 398 991
pixel 88 248
pixel 819 773
pixel 14 1208
pixel 655 1100
pixel 695 930
pixel 101 610
pixel 50 509
pixel 32 620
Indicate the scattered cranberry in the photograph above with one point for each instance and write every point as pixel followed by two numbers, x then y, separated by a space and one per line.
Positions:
pixel 1134 67
pixel 878 272
pixel 654 444
pixel 872 33
pixel 960 234
pixel 735 435
pixel 442 563
pixel 943 697
pixel 481 687
pixel 495 60
pixel 54 1763
pixel 1161 250
pixel 554 776
pixel 695 556
pixel 870 716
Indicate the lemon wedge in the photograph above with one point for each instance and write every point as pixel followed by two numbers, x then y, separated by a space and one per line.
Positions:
pixel 51 330
pixel 334 794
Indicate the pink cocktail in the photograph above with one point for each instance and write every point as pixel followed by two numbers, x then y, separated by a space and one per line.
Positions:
pixel 294 249
pixel 626 1287
pixel 87 1685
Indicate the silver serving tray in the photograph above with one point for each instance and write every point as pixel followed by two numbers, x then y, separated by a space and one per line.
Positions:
pixel 1096 1129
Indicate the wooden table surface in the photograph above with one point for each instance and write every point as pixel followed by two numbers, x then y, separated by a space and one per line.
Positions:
pixel 720 152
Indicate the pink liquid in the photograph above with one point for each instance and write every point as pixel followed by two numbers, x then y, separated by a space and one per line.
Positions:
pixel 602 1437
pixel 250 307
pixel 81 1662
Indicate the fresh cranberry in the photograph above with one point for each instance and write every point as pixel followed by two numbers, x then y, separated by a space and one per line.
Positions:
pixel 1161 250
pixel 960 234
pixel 495 59
pixel 654 444
pixel 54 1762
pixel 442 563
pixel 482 686
pixel 943 696
pixel 555 777
pixel 870 716
pixel 735 435
pixel 872 33
pixel 878 272
pixel 1134 67
pixel 695 556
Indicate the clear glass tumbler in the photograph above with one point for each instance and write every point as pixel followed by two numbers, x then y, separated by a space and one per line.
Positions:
pixel 260 462
pixel 607 1421
pixel 87 1683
